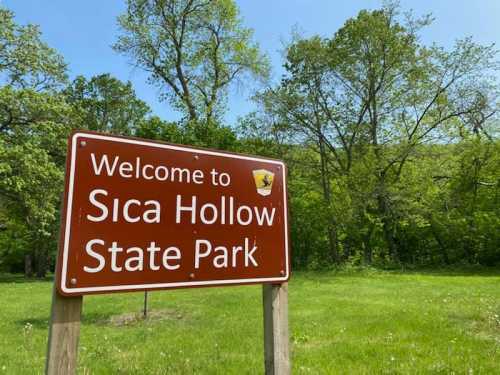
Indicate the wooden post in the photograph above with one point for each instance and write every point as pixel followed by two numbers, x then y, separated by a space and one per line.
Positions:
pixel 276 341
pixel 145 308
pixel 64 332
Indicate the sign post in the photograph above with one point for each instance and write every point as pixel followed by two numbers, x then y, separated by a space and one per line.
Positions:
pixel 141 215
pixel 64 333
pixel 276 340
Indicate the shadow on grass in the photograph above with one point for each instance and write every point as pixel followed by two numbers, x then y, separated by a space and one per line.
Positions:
pixel 112 319
pixel 21 279
pixel 452 271
pixel 88 318
pixel 355 271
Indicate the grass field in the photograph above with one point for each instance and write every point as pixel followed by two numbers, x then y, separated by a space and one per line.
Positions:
pixel 361 323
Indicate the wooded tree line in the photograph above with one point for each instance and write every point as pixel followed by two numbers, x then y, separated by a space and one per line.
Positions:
pixel 392 145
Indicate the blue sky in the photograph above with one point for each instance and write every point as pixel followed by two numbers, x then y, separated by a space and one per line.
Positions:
pixel 83 32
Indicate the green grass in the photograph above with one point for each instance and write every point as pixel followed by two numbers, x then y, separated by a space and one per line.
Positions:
pixel 363 323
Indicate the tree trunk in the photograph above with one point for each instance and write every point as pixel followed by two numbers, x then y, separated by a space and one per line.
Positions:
pixel 28 265
pixel 42 263
pixel 332 239
pixel 387 224
pixel 367 249
pixel 332 225
pixel 367 255
pixel 440 243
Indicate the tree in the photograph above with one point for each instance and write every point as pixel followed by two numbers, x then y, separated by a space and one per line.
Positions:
pixel 34 123
pixel 412 93
pixel 367 99
pixel 25 60
pixel 156 128
pixel 305 101
pixel 104 103
pixel 192 49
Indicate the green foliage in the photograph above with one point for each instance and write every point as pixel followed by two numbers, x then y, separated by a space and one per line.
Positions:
pixel 105 104
pixel 14 242
pixel 155 128
pixel 25 60
pixel 34 123
pixel 385 117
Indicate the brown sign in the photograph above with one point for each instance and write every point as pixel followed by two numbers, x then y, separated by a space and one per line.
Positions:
pixel 142 215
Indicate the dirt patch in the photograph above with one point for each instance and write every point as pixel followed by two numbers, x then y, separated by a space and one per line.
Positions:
pixel 128 319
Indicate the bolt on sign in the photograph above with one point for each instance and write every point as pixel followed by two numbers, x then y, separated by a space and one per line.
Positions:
pixel 142 215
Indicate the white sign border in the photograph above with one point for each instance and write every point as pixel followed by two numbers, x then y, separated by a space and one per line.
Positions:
pixel 69 204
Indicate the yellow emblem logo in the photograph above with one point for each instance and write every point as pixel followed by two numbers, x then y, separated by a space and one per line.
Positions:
pixel 263 181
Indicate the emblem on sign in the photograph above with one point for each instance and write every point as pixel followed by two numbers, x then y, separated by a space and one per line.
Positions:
pixel 263 181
